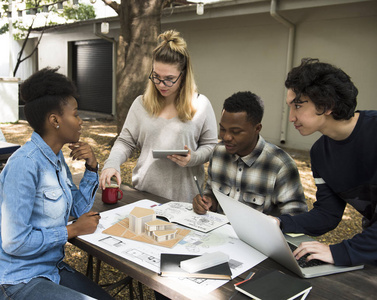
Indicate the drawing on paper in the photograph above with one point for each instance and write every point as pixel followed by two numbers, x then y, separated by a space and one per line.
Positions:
pixel 183 213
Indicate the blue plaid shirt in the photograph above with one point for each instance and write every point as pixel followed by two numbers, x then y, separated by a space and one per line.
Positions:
pixel 267 179
pixel 37 196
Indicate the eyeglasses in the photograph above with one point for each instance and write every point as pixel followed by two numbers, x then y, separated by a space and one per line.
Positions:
pixel 166 82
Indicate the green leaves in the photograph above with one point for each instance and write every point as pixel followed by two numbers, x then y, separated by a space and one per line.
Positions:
pixel 82 12
pixel 43 8
pixel 4 28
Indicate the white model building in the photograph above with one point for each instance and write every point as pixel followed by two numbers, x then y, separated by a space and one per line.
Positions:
pixel 143 220
pixel 164 235
pixel 158 225
pixel 138 217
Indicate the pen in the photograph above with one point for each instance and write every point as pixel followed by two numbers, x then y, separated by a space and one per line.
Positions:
pixel 199 189
pixel 246 279
pixel 97 214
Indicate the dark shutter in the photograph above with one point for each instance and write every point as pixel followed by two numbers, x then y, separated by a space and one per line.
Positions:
pixel 92 73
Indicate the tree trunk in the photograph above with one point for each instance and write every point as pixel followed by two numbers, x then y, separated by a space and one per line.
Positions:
pixel 140 23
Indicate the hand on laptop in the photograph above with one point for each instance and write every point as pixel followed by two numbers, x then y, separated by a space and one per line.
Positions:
pixel 316 250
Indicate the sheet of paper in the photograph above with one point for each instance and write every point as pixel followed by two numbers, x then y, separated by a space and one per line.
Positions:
pixel 242 256
pixel 183 213
pixel 295 234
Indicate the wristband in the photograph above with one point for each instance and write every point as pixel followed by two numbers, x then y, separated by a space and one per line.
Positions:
pixel 89 168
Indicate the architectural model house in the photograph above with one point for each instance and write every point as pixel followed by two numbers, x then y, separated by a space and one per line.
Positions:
pixel 158 225
pixel 138 217
pixel 143 220
pixel 164 235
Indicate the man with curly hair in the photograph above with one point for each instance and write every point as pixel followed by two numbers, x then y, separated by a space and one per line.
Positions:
pixel 322 98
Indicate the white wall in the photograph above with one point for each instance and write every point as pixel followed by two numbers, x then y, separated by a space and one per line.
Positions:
pixel 4 54
pixel 347 39
pixel 8 100
pixel 248 52
pixel 27 67
pixel 252 59
pixel 53 50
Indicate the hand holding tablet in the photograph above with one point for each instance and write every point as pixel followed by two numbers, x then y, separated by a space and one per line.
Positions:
pixel 165 153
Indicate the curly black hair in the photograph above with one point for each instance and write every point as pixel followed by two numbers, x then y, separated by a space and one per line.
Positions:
pixel 246 102
pixel 327 86
pixel 44 92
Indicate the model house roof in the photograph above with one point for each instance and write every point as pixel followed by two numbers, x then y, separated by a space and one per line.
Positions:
pixel 140 212
pixel 158 222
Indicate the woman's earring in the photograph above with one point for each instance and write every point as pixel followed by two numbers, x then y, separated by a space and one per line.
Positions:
pixel 57 127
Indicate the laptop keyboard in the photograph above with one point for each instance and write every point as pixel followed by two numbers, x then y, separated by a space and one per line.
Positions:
pixel 302 261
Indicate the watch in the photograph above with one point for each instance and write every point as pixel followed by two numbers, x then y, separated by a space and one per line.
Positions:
pixel 92 169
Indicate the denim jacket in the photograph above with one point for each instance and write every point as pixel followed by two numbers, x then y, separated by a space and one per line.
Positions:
pixel 37 196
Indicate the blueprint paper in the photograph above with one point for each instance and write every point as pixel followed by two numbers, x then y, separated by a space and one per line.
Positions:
pixel 183 213
pixel 121 229
pixel 224 239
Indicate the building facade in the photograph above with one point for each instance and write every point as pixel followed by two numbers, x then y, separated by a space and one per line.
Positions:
pixel 235 46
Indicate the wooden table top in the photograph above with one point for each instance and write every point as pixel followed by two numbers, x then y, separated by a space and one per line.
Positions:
pixel 360 284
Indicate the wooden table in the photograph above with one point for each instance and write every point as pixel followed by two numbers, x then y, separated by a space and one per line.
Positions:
pixel 361 284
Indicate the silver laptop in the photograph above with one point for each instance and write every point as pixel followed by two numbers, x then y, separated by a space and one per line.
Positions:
pixel 263 233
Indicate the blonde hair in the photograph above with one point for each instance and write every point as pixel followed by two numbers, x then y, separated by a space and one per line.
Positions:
pixel 172 49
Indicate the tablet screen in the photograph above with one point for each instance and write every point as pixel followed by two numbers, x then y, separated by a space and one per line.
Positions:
pixel 164 153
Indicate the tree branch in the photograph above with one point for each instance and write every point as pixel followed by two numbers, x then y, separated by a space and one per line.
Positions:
pixel 114 5
pixel 36 46
pixel 22 49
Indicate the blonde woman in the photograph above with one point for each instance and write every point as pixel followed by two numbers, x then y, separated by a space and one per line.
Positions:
pixel 170 115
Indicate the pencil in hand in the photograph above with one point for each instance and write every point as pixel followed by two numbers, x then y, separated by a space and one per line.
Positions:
pixel 199 189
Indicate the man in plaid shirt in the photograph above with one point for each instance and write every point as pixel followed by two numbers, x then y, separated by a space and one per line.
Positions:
pixel 247 168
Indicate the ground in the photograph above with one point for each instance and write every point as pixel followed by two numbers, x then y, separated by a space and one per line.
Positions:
pixel 100 133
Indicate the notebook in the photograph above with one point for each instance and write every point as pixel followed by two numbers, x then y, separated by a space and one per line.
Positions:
pixel 275 286
pixel 170 266
pixel 263 233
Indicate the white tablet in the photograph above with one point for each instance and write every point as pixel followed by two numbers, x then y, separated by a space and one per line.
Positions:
pixel 164 153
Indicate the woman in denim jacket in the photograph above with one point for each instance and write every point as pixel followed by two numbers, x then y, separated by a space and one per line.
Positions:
pixel 37 196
